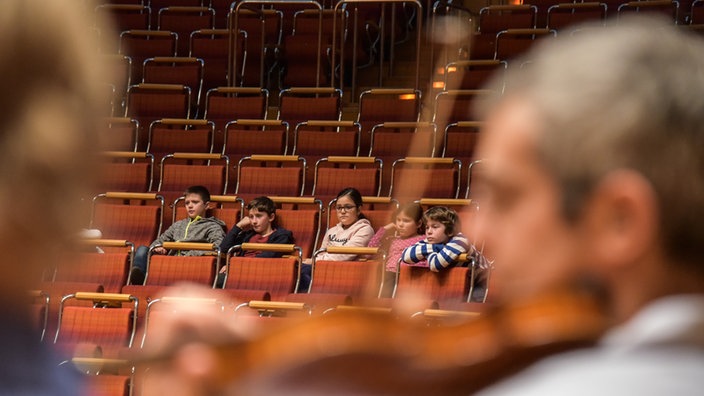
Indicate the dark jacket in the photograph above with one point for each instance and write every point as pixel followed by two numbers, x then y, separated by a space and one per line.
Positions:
pixel 237 237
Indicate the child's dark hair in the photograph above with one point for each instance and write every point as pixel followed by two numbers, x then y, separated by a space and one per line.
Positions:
pixel 198 190
pixel 414 211
pixel 262 204
pixel 355 196
pixel 446 216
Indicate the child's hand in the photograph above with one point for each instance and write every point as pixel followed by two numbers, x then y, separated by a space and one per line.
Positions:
pixel 390 226
pixel 244 224
pixel 159 250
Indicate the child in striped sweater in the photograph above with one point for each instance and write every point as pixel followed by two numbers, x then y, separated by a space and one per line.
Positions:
pixel 443 242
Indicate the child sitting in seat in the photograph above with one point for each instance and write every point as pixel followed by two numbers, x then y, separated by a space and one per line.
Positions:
pixel 195 228
pixel 405 230
pixel 443 243
pixel 259 226
pixel 352 230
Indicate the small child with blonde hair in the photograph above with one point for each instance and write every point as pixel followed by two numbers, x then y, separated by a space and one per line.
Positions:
pixel 405 230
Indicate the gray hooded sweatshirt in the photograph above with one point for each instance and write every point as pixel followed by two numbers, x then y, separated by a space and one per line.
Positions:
pixel 201 229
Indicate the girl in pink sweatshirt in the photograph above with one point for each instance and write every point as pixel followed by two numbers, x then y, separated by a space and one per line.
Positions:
pixel 352 230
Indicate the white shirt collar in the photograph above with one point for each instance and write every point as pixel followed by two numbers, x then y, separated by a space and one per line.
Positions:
pixel 667 321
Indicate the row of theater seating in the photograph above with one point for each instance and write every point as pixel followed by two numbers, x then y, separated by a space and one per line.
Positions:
pixel 502 33
pixel 100 331
pixel 386 128
pixel 99 280
pixel 147 103
pixel 292 175
pixel 283 39
pixel 333 282
pixel 140 218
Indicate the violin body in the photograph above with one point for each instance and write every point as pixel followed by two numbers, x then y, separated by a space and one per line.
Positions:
pixel 360 352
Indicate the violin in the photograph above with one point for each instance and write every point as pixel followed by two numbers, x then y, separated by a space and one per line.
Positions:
pixel 359 351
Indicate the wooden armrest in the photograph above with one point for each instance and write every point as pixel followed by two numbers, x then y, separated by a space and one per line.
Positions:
pixel 279 158
pixel 317 123
pixel 428 160
pixel 444 313
pixel 351 160
pixel 270 247
pixel 351 250
pixel 373 310
pixel 107 242
pixel 188 246
pixel 444 201
pixel 130 195
pixel 104 297
pixel 278 305
pixel 203 156
pixel 294 200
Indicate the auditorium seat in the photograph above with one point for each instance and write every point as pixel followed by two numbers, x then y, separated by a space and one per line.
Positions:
pixel 276 175
pixel 359 279
pixel 459 141
pixel 166 270
pixel 125 171
pixel 333 174
pixel 413 177
pixel 183 20
pixel 278 276
pixel 565 17
pixel 105 329
pixel 393 140
pixel 176 135
pixel 226 104
pixel 303 216
pixel 143 44
pixel 317 139
pixel 263 29
pixel 182 170
pixel 150 102
pixel 377 106
pixel 110 267
pixel 135 217
pixel 120 134
pixel 472 74
pixel 177 70
pixel 213 47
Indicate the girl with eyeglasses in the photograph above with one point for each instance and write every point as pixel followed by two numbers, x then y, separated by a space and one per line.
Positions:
pixel 352 230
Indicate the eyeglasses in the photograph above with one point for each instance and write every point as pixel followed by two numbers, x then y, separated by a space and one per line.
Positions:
pixel 345 208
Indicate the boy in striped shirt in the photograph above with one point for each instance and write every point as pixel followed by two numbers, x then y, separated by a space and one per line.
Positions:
pixel 443 242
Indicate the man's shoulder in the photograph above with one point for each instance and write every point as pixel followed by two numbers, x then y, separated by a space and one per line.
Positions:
pixel 599 371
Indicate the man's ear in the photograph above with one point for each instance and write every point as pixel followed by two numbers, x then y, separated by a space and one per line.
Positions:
pixel 621 219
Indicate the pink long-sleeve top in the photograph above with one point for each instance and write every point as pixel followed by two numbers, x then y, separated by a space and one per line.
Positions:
pixel 396 248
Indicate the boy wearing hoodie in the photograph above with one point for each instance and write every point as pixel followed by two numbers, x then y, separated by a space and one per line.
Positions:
pixel 195 228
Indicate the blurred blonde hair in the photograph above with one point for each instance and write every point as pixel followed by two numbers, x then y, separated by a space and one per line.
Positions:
pixel 52 97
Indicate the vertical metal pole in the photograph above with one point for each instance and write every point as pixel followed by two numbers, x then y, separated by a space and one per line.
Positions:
pixel 382 28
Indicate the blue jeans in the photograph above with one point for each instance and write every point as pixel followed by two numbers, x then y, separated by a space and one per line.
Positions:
pixel 305 278
pixel 140 258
